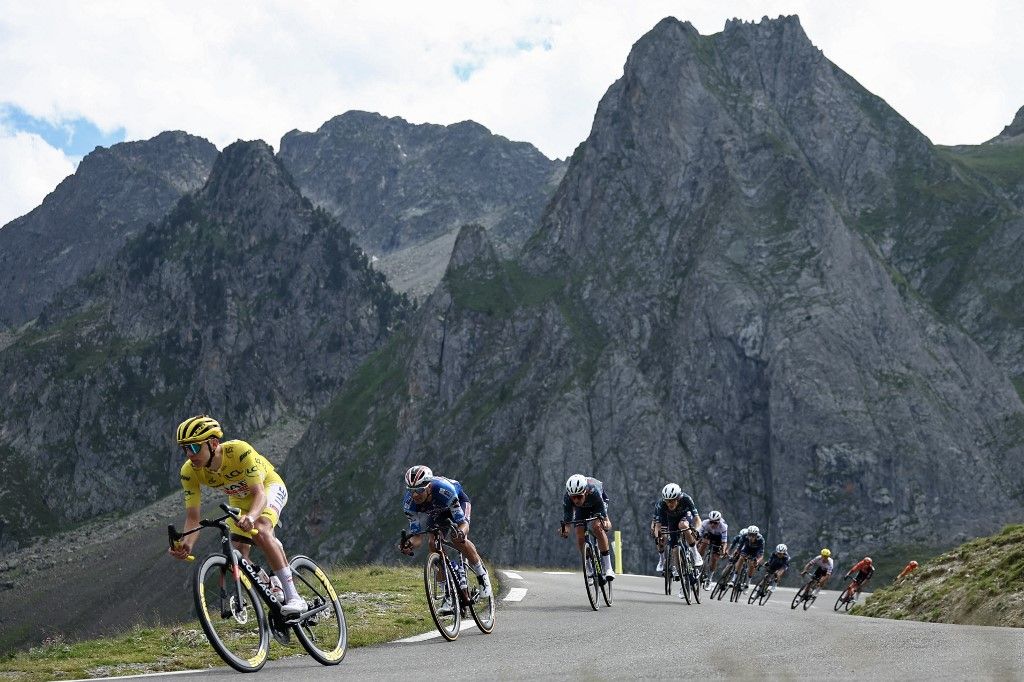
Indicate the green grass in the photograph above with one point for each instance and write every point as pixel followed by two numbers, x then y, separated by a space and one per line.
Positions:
pixel 1002 163
pixel 978 583
pixel 381 604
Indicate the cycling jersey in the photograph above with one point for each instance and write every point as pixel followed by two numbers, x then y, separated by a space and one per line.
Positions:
pixel 684 510
pixel 776 562
pixel 821 566
pixel 443 503
pixel 594 504
pixel 752 548
pixel 716 532
pixel 863 571
pixel 736 542
pixel 241 467
pixel 463 497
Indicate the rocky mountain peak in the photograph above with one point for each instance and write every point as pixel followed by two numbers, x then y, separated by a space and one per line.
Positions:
pixel 247 175
pixel 1013 133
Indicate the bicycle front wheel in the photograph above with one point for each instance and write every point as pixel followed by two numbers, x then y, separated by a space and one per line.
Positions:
pixel 324 634
pixel 797 597
pixel 590 574
pixel 667 565
pixel 682 569
pixel 755 593
pixel 440 584
pixel 236 627
pixel 767 594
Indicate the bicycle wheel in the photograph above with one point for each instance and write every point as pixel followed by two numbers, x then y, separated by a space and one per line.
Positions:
pixel 237 630
pixel 324 634
pixel 809 598
pixel 668 571
pixel 680 565
pixel 442 598
pixel 722 586
pixel 797 597
pixel 590 574
pixel 767 594
pixel 841 600
pixel 482 609
pixel 755 593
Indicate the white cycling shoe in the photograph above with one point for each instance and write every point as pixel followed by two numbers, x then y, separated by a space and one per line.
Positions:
pixel 485 586
pixel 293 607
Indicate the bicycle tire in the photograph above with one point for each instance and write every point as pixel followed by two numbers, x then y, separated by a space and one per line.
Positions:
pixel 695 584
pixel 722 586
pixel 766 596
pixel 323 635
pixel 755 593
pixel 439 592
pixel 232 636
pixel 590 581
pixel 482 610
pixel 797 597
pixel 680 564
pixel 808 600
pixel 667 572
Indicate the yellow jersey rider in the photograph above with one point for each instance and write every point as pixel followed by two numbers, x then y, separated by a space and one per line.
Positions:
pixel 251 484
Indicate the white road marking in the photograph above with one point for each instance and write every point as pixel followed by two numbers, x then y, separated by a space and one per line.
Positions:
pixel 419 638
pixel 559 573
pixel 134 677
pixel 515 594
pixel 513 575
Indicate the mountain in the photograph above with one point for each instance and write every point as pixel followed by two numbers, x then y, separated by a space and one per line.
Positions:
pixel 744 283
pixel 245 302
pixel 81 225
pixel 401 188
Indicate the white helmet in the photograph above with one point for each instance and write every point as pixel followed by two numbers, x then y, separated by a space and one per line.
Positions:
pixel 418 476
pixel 715 516
pixel 781 548
pixel 745 531
pixel 753 530
pixel 671 492
pixel 576 484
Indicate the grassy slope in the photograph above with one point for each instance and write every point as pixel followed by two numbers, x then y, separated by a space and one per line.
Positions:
pixel 978 583
pixel 381 604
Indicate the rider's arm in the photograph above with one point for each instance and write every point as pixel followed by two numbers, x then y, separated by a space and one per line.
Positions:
pixel 186 543
pixel 566 509
pixel 259 502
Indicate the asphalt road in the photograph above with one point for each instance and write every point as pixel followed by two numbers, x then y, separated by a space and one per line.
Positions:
pixel 553 634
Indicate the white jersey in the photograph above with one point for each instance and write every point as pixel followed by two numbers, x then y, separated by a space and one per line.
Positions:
pixel 708 527
pixel 822 563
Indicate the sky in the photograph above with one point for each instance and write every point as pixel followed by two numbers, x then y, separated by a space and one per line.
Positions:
pixel 74 75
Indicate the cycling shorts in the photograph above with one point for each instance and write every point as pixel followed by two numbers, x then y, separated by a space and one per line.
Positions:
pixel 753 552
pixel 277 498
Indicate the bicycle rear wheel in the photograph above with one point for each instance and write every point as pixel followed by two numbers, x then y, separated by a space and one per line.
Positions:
pixel 694 582
pixel 238 631
pixel 606 590
pixel 442 599
pixel 590 574
pixel 324 635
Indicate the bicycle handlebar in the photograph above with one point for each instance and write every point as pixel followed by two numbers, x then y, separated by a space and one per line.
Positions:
pixel 174 537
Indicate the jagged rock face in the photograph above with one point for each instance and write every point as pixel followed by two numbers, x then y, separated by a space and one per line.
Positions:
pixel 83 223
pixel 703 305
pixel 394 184
pixel 245 302
pixel 1013 133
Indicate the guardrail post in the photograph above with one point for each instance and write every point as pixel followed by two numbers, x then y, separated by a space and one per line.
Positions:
pixel 618 551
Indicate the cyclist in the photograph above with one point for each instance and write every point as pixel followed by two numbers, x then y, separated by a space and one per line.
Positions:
pixel 750 554
pixel 714 532
pixel 823 565
pixel 251 484
pixel 675 511
pixel 431 500
pixel 734 546
pixel 864 569
pixel 777 563
pixel 585 497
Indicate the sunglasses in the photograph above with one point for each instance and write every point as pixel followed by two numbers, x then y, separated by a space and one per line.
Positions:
pixel 193 448
pixel 417 491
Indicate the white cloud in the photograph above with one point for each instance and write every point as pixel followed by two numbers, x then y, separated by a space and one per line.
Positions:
pixel 235 69
pixel 31 169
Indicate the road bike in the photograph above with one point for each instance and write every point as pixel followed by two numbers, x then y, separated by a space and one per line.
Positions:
pixel 593 573
pixel 807 594
pixel 727 577
pixel 848 597
pixel 707 576
pixel 763 591
pixel 444 580
pixel 239 611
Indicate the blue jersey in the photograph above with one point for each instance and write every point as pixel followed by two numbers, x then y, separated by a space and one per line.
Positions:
pixel 594 504
pixel 775 562
pixel 753 547
pixel 445 502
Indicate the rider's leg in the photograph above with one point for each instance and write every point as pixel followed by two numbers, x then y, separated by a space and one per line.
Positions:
pixel 598 529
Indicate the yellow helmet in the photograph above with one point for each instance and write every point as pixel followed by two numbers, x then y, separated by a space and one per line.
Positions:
pixel 198 429
pixel 826 553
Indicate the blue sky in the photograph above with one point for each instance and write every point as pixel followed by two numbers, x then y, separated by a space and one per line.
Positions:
pixel 76 137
